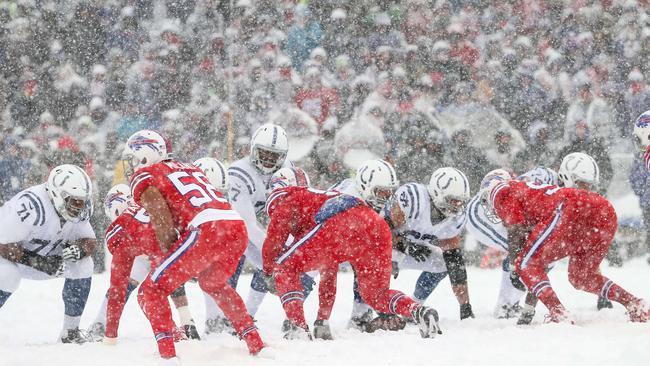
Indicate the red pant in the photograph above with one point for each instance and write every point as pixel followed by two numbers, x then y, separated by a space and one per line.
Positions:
pixel 583 232
pixel 210 253
pixel 358 236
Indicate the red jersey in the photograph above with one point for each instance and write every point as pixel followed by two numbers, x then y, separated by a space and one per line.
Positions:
pixel 522 203
pixel 292 210
pixel 185 188
pixel 129 236
pixel 646 158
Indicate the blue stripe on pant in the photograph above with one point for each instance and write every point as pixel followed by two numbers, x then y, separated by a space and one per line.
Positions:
pixel 537 244
pixel 191 239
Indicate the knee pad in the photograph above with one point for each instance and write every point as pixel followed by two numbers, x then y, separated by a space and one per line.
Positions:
pixel 75 294
pixel 258 284
pixel 9 276
pixel 82 268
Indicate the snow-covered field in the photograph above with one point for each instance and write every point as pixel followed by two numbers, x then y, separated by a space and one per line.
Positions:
pixel 31 320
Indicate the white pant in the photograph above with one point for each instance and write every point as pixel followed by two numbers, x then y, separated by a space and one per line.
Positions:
pixel 11 273
pixel 254 255
pixel 140 269
pixel 435 263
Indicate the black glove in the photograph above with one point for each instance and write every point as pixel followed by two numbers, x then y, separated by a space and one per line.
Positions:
pixel 52 265
pixel 395 269
pixel 400 245
pixel 73 252
pixel 269 280
pixel 516 281
pixel 466 311
pixel 419 252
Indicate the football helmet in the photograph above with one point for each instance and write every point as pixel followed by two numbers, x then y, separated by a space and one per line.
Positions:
pixel 578 167
pixel 642 131
pixel 216 173
pixel 117 200
pixel 449 191
pixel 540 175
pixel 269 147
pixel 376 182
pixel 488 182
pixel 289 177
pixel 145 148
pixel 70 191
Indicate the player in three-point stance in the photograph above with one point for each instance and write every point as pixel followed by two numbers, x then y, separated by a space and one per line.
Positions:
pixel 548 223
pixel 45 233
pixel 199 233
pixel 323 230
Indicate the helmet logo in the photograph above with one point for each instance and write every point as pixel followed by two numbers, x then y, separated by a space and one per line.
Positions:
pixel 643 122
pixel 140 141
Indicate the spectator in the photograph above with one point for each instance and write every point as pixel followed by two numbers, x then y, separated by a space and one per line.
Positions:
pixel 315 99
pixel 537 152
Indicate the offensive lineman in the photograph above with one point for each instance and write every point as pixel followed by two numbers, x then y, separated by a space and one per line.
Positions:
pixel 199 233
pixel 548 223
pixel 45 233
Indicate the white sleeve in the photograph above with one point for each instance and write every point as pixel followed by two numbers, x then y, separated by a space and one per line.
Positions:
pixel 18 218
pixel 241 200
pixel 83 230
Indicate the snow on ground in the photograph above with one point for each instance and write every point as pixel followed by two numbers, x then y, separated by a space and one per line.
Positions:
pixel 30 322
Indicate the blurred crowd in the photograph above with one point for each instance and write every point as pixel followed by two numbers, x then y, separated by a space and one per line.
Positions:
pixel 476 84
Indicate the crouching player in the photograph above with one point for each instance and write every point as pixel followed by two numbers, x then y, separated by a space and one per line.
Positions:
pixel 323 230
pixel 45 233
pixel 131 240
pixel 547 223
pixel 199 233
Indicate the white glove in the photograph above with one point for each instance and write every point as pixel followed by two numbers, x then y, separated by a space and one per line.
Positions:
pixel 73 253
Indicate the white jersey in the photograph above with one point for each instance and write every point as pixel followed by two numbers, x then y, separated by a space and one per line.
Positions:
pixel 487 229
pixel 423 225
pixel 30 220
pixel 347 186
pixel 247 194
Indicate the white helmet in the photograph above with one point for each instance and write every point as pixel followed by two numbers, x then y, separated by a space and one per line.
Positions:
pixel 500 175
pixel 216 173
pixel 289 177
pixel 145 148
pixel 376 181
pixel 642 131
pixel 70 190
pixel 269 147
pixel 578 167
pixel 539 176
pixel 488 182
pixel 117 200
pixel 449 191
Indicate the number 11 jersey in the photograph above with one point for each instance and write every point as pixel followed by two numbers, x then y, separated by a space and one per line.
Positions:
pixel 185 188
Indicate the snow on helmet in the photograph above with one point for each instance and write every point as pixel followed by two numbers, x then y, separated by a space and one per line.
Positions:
pixel 578 167
pixel 449 191
pixel 216 173
pixel 376 181
pixel 117 200
pixel 642 131
pixel 289 177
pixel 269 147
pixel 145 148
pixel 539 176
pixel 70 191
pixel 491 179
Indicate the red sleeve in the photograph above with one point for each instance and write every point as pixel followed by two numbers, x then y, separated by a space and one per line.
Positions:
pixel 326 292
pixel 276 235
pixel 646 158
pixel 120 275
pixel 508 207
pixel 140 181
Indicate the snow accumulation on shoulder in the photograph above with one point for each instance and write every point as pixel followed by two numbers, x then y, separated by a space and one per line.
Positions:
pixel 31 319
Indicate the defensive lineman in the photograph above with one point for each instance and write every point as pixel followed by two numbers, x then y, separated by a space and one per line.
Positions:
pixel 45 233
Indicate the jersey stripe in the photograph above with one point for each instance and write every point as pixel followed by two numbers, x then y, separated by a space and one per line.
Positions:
pixel 417 199
pixel 112 233
pixel 174 256
pixel 41 207
pixel 410 193
pixel 139 179
pixel 244 176
pixel 242 179
pixel 542 238
pixel 484 227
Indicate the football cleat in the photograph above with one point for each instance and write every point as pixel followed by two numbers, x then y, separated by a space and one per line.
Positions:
pixel 322 330
pixel 191 332
pixel 75 335
pixel 526 316
pixel 362 321
pixel 97 331
pixel 427 320
pixel 603 303
pixel 508 311
pixel 292 331
pixel 219 325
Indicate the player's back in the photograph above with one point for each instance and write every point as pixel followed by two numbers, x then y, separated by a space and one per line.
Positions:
pixel 298 206
pixel 184 187
pixel 132 234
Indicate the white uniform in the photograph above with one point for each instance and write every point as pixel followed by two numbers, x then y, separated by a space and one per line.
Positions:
pixel 487 229
pixel 247 194
pixel 30 220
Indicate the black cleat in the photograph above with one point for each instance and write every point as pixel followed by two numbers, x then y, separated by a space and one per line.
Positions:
pixel 526 317
pixel 603 303
pixel 322 330
pixel 191 332
pixel 362 321
pixel 292 331
pixel 508 311
pixel 76 336
pixel 427 320
pixel 219 325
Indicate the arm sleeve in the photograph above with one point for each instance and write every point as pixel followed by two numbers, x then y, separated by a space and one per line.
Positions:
pixel 242 201
pixel 140 182
pixel 120 270
pixel 508 208
pixel 278 233
pixel 326 292
pixel 83 231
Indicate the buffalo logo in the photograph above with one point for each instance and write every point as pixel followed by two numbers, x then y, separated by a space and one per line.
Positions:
pixel 643 121
pixel 140 141
pixel 115 197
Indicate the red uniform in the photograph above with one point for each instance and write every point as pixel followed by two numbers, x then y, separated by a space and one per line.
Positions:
pixel 563 222
pixel 212 239
pixel 327 229
pixel 129 236
pixel 646 158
